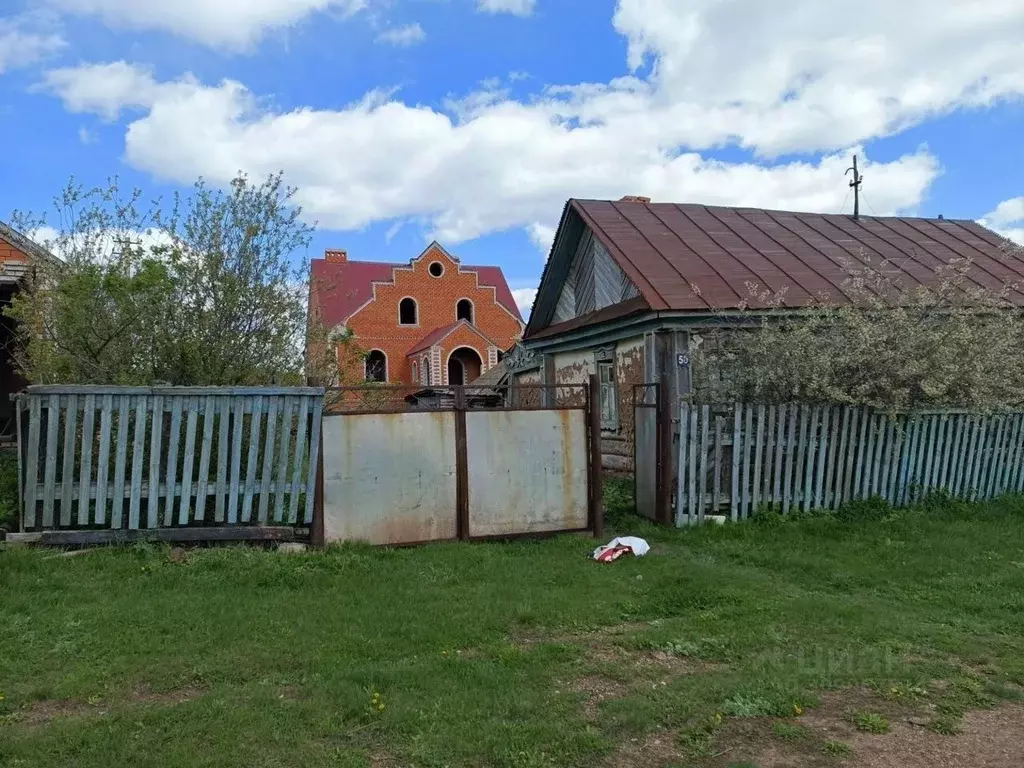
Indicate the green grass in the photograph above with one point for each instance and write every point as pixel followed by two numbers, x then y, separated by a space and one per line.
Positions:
pixel 242 657
pixel 837 748
pixel 871 722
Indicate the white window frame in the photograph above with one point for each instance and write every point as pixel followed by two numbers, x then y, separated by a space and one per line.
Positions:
pixel 608 389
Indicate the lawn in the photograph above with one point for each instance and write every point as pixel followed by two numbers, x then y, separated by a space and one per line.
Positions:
pixel 514 655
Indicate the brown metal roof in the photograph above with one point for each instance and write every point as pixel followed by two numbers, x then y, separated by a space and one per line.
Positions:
pixel 669 250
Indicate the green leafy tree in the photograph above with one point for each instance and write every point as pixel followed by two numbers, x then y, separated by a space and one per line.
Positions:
pixel 948 342
pixel 204 290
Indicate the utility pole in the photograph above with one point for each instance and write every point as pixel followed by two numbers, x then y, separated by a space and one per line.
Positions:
pixel 855 184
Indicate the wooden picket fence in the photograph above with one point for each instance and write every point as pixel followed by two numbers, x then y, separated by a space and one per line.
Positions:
pixel 147 458
pixel 738 458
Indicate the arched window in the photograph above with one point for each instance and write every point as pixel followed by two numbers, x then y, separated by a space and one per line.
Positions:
pixel 376 366
pixel 415 373
pixel 407 314
pixel 464 310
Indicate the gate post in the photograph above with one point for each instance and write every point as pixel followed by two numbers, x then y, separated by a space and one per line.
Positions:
pixel 461 466
pixel 663 511
pixel 596 496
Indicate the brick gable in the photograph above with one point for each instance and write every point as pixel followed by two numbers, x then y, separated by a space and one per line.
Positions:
pixel 375 324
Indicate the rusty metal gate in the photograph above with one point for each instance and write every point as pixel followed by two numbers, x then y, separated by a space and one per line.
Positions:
pixel 405 465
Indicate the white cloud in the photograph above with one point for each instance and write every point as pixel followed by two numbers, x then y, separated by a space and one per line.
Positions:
pixel 106 89
pixel 231 24
pixel 25 40
pixel 85 136
pixel 515 7
pixel 524 299
pixel 403 37
pixel 791 77
pixel 1007 219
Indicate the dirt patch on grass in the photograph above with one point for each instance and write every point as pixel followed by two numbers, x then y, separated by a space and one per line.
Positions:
pixel 656 750
pixel 827 737
pixel 41 713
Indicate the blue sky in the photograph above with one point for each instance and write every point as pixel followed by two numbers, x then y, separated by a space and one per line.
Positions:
pixel 472 121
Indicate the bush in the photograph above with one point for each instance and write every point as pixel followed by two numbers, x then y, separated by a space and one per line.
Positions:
pixel 8 489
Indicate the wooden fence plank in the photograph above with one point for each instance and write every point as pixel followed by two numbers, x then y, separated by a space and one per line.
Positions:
pixel 103 459
pixel 178 404
pixel 35 421
pixel 300 457
pixel 155 439
pixel 989 459
pixel 203 478
pixel 684 427
pixel 734 491
pixel 718 473
pixel 1014 456
pixel 973 451
pixel 963 451
pixel 847 455
pixel 705 417
pixel 890 458
pixel 928 460
pixel 904 469
pixel 138 457
pixel 860 466
pixel 834 481
pixel 314 457
pixel 224 416
pixel 780 448
pixel 236 461
pixel 268 459
pixel 282 472
pixel 748 444
pixel 812 445
pixel 85 473
pixel 787 484
pixel 1012 426
pixel 188 461
pixel 998 458
pixel 869 454
pixel 53 404
pixel 255 405
pixel 912 491
pixel 1017 477
pixel 823 449
pixel 941 444
pixel 947 444
pixel 799 472
pixel 758 449
pixel 769 457
pixel 876 460
pixel 67 473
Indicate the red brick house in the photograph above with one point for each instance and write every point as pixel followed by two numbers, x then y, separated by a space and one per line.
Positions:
pixel 431 321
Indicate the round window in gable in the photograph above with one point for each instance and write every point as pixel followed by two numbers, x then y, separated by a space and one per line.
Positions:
pixel 436 268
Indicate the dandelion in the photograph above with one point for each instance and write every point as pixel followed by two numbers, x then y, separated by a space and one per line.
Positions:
pixel 718 718
pixel 797 709
pixel 381 706
pixel 1 697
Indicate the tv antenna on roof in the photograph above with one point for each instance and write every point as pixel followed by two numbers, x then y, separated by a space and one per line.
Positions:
pixel 855 184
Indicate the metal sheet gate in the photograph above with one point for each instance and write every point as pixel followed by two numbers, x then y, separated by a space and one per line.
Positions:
pixel 396 471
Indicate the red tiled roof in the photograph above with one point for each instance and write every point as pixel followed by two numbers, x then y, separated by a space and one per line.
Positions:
pixel 343 287
pixel 432 338
pixel 666 249
pixel 439 333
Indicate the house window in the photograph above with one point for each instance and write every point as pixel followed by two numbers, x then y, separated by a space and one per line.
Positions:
pixel 436 268
pixel 407 314
pixel 376 366
pixel 415 373
pixel 608 393
pixel 426 370
pixel 464 310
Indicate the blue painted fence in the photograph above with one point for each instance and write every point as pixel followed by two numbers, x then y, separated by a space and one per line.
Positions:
pixel 738 458
pixel 159 457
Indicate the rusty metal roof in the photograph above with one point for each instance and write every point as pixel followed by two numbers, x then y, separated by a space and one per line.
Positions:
pixel 697 257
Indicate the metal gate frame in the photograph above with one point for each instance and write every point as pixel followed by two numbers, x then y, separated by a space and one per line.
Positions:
pixel 389 397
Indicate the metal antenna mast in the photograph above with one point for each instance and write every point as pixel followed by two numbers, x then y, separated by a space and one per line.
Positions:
pixel 855 184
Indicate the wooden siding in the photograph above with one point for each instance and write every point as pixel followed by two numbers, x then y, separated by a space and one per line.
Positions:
pixel 594 281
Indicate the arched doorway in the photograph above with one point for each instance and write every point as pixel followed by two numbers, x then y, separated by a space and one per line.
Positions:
pixel 464 366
